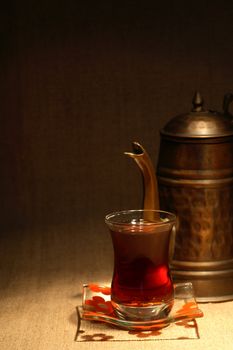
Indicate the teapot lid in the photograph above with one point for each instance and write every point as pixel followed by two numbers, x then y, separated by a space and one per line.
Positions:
pixel 201 123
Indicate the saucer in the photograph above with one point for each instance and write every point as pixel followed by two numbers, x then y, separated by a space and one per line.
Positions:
pixel 97 306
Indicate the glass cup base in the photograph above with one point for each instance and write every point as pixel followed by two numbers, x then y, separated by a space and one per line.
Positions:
pixel 142 313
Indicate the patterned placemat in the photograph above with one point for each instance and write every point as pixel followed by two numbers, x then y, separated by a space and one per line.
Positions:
pixel 92 325
pixel 98 331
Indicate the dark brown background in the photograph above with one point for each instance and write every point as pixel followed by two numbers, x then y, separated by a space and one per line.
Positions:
pixel 80 80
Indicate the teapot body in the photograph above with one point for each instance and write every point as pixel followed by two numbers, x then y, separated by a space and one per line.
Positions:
pixel 195 181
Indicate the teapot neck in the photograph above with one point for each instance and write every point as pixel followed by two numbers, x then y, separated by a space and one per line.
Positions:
pixel 150 187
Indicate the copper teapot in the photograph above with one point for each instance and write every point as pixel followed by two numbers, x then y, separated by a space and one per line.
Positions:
pixel 195 180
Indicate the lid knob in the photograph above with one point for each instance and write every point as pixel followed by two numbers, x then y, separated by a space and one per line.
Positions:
pixel 197 102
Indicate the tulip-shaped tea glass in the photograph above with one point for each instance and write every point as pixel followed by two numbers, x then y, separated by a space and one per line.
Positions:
pixel 141 288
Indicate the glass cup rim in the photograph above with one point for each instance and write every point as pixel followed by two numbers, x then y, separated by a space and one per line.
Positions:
pixel 110 219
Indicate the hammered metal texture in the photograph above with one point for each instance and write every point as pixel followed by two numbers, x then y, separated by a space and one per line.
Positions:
pixel 205 221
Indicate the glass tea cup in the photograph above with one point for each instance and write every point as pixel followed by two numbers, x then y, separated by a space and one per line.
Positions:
pixel 141 288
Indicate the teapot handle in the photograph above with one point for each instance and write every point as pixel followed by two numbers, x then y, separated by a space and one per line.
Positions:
pixel 228 98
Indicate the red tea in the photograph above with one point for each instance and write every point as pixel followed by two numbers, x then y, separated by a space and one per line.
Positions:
pixel 142 288
pixel 141 274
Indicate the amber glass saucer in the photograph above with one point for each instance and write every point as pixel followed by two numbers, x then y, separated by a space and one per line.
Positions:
pixel 97 306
